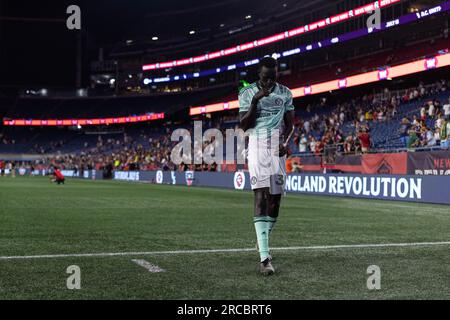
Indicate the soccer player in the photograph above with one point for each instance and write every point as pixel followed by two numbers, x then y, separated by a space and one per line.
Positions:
pixel 267 115
pixel 59 177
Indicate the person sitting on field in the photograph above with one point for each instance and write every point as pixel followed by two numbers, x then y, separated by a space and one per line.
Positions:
pixel 58 176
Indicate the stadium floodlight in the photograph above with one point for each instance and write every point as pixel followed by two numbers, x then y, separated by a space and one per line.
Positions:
pixel 248 17
pixel 155 38
pixel 191 32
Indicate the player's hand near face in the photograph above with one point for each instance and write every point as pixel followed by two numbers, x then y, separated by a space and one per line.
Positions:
pixel 264 92
pixel 248 119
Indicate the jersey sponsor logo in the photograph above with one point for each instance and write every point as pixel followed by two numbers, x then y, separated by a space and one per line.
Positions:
pixel 265 114
pixel 239 181
pixel 279 102
pixel 254 181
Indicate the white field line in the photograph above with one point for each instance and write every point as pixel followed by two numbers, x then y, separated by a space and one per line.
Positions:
pixel 149 253
pixel 149 266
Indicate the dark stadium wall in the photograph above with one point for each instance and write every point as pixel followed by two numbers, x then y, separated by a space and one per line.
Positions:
pixel 429 163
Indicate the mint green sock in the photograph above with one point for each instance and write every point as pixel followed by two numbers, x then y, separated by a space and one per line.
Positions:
pixel 262 235
pixel 272 222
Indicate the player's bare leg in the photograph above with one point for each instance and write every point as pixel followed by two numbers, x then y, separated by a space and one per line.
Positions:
pixel 274 210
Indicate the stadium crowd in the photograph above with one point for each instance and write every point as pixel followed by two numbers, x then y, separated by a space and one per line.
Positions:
pixel 345 128
pixel 427 129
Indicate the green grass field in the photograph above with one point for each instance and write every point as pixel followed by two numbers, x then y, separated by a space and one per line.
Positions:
pixel 84 217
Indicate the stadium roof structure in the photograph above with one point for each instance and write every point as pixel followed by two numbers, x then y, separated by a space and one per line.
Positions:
pixel 299 30
pixel 172 21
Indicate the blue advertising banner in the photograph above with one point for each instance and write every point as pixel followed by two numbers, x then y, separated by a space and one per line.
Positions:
pixel 427 189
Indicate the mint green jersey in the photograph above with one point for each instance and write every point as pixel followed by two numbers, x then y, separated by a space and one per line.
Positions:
pixel 270 110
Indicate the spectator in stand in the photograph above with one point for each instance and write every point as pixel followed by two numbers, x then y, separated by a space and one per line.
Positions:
pixel 431 109
pixel 445 135
pixel 413 141
pixel 312 144
pixel 296 165
pixel 423 113
pixel 364 138
pixel 349 145
pixel 320 146
pixel 447 110
pixel 430 140
pixel 404 131
pixel 440 120
pixel 303 144
pixel 342 118
pixel 307 126
pixel 437 136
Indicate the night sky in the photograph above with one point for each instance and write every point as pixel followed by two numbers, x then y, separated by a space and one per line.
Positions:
pixel 37 49
pixel 36 52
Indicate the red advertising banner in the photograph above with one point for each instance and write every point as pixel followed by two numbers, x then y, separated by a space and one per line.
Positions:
pixel 384 163
pixel 81 122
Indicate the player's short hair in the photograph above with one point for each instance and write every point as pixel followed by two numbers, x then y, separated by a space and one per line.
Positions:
pixel 268 62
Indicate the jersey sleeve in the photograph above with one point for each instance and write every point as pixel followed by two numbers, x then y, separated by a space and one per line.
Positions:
pixel 289 106
pixel 245 100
